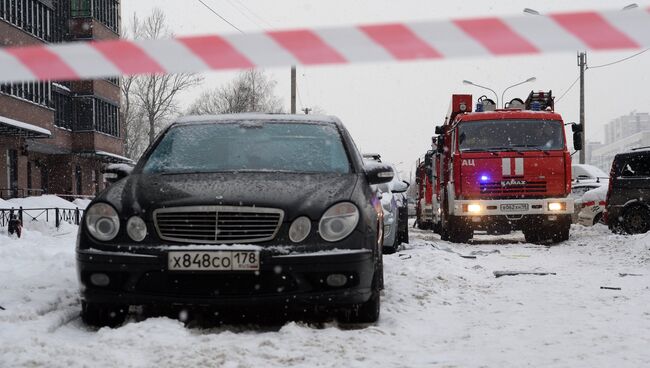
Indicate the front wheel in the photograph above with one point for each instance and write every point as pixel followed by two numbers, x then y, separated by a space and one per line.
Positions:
pixel 103 315
pixel 636 220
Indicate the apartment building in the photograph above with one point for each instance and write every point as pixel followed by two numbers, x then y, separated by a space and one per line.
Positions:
pixel 56 136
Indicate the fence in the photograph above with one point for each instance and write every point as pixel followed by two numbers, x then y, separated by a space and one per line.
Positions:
pixel 58 215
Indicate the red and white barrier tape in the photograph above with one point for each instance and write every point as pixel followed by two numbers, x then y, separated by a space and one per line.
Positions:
pixel 615 30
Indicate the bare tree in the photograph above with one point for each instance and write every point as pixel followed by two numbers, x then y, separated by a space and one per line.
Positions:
pixel 251 91
pixel 149 102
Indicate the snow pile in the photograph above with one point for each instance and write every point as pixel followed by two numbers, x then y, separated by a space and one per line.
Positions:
pixel 5 205
pixel 82 203
pixel 45 201
pixel 438 309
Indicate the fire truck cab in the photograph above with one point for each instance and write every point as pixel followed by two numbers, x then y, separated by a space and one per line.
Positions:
pixel 504 169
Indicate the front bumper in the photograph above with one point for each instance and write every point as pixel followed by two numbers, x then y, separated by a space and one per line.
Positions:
pixel 512 208
pixel 290 280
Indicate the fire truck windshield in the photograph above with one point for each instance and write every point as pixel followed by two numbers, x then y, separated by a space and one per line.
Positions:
pixel 494 135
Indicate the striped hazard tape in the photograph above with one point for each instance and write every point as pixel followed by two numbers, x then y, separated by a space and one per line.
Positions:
pixel 517 35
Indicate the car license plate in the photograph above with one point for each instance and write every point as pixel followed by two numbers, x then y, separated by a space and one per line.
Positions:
pixel 515 207
pixel 214 261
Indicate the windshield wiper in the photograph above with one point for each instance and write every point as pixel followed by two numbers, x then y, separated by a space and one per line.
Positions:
pixel 532 148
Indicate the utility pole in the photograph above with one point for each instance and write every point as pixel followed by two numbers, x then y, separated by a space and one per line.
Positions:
pixel 307 110
pixel 293 89
pixel 582 63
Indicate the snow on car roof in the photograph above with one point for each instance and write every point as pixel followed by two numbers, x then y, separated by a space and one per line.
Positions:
pixel 591 170
pixel 256 116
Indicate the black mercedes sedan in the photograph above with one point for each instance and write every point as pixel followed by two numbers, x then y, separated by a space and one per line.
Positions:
pixel 238 210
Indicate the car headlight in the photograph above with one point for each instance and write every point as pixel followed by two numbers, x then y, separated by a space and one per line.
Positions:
pixel 474 208
pixel 136 228
pixel 299 229
pixel 557 206
pixel 338 222
pixel 102 221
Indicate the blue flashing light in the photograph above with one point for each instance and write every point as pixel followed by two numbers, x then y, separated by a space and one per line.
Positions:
pixel 484 178
pixel 479 107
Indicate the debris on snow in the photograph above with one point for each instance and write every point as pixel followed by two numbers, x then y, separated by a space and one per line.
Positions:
pixel 498 274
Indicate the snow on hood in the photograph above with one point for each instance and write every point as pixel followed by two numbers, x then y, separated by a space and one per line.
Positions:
pixel 597 195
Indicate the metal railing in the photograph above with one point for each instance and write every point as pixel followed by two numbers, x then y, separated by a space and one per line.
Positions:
pixel 58 215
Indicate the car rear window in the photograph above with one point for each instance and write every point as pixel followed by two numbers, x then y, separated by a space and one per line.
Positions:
pixel 250 146
pixel 635 165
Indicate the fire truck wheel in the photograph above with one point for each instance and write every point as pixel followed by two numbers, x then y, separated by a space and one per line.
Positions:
pixel 532 236
pixel 458 231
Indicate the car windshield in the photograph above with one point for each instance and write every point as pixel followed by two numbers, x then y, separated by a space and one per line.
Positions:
pixel 488 135
pixel 250 146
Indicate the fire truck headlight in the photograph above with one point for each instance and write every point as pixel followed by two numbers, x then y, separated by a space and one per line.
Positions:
pixel 473 208
pixel 557 206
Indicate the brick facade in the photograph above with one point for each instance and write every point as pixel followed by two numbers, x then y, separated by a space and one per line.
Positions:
pixel 67 162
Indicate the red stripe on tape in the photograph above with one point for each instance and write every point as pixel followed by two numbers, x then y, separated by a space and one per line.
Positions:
pixel 43 63
pixel 307 47
pixel 496 36
pixel 400 42
pixel 594 30
pixel 216 52
pixel 128 57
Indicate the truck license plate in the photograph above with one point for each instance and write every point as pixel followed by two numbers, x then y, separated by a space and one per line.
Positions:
pixel 214 261
pixel 515 207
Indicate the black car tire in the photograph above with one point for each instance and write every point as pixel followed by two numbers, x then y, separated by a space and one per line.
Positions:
pixel 367 312
pixel 532 236
pixel 103 315
pixel 636 220
pixel 458 231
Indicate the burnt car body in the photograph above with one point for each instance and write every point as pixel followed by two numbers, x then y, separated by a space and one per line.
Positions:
pixel 238 210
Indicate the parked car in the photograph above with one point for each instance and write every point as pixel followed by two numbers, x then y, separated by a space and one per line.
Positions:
pixel 581 172
pixel 628 197
pixel 592 206
pixel 293 189
pixel 395 204
pixel 578 191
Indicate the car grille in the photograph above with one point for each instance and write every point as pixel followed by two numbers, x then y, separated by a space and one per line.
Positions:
pixel 531 187
pixel 217 224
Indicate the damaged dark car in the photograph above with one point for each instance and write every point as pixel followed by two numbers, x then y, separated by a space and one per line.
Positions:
pixel 235 211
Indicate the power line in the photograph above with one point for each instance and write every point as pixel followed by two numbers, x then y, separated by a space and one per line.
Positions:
pixel 568 89
pixel 254 14
pixel 245 15
pixel 617 61
pixel 219 15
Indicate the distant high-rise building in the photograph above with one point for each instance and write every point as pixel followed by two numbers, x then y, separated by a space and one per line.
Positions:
pixel 55 137
pixel 622 134
pixel 626 126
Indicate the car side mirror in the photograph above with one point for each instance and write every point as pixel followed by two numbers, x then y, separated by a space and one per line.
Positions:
pixel 378 173
pixel 116 172
pixel 440 129
pixel 577 128
pixel 577 141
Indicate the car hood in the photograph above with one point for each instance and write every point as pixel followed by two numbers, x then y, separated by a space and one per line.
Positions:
pixel 296 194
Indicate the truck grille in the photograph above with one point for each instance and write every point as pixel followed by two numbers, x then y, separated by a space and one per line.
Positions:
pixel 531 187
pixel 217 224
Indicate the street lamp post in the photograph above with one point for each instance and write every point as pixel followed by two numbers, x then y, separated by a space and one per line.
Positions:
pixel 503 101
pixel 479 86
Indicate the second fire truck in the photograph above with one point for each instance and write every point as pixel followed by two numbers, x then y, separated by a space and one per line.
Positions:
pixel 503 169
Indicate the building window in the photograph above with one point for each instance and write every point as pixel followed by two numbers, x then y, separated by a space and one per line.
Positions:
pixel 81 8
pixel 107 118
pixel 36 92
pixel 62 102
pixel 30 15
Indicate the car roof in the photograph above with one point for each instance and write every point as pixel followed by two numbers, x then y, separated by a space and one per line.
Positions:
pixel 229 118
pixel 634 151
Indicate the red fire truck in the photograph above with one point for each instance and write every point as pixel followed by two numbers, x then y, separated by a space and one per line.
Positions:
pixel 424 207
pixel 500 170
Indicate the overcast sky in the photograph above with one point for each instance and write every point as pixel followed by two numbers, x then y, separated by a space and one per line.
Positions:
pixel 393 108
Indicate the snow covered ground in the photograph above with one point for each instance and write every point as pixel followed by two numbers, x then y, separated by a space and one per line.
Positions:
pixel 439 309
